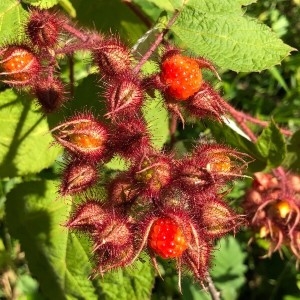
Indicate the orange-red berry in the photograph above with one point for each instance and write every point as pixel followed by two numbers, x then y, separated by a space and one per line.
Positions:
pixel 181 75
pixel 167 239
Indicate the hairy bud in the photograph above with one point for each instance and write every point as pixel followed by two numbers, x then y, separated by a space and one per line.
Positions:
pixel 77 177
pixel 273 210
pixel 152 173
pixel 83 136
pixel 50 94
pixel 19 66
pixel 130 137
pixel 88 216
pixel 112 57
pixel 218 219
pixel 43 28
pixel 124 97
pixel 121 190
pixel 206 103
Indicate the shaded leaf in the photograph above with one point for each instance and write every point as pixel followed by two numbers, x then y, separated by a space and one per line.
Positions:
pixel 292 161
pixel 110 17
pixel 86 97
pixel 192 291
pixel 25 141
pixel 56 258
pixel 271 145
pixel 227 272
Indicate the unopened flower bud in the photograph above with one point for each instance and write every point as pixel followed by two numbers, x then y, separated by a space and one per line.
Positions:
pixel 43 28
pixel 83 136
pixel 19 66
pixel 77 177
pixel 112 57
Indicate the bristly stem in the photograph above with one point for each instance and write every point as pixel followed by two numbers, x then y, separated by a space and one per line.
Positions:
pixel 71 76
pixel 157 42
pixel 242 117
pixel 173 121
pixel 80 35
pixel 214 293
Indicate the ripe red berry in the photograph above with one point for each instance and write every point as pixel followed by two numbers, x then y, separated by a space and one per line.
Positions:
pixel 167 239
pixel 181 75
pixel 19 65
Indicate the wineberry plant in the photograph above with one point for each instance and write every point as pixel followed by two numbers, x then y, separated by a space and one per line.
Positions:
pixel 143 155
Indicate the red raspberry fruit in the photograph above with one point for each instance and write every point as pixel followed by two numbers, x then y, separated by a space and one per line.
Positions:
pixel 182 76
pixel 167 239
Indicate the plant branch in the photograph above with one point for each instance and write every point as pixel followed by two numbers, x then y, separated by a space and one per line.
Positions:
pixel 242 117
pixel 173 121
pixel 157 42
pixel 80 35
pixel 71 76
pixel 214 293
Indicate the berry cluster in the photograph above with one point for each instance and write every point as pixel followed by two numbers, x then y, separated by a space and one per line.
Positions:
pixel 168 207
pixel 273 209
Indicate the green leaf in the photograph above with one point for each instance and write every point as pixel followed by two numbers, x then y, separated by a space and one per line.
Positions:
pixel 56 257
pixel 27 287
pixel 134 283
pixel 116 163
pixel 220 32
pixel 25 141
pixel 228 270
pixel 155 112
pixel 43 4
pixel 271 145
pixel 156 116
pixel 12 18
